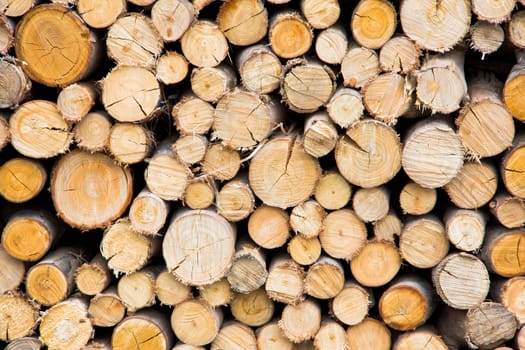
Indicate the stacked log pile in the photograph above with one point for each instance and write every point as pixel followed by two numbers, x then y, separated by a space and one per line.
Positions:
pixel 249 174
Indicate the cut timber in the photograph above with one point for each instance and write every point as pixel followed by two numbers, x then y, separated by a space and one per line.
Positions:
pixel 333 191
pixel 417 200
pixel 441 85
pixel 130 94
pixel 520 339
pixel 269 227
pixel 387 228
pixel 279 165
pixel 514 85
pixel 234 335
pixel 253 309
pixel 67 325
pixel 148 213
pixel 270 337
pixel 130 143
pixel 307 218
pixel 474 186
pixel 493 11
pixel 182 346
pixel 92 132
pixel 307 86
pixel 516 28
pixel 432 153
pixel 75 100
pixel 368 154
pixel 489 325
pixel 196 323
pixel 216 294
pixel 18 316
pixel 511 293
pixel 369 334
pixel 423 242
pixel 90 190
pixel 7 29
pixel 502 251
pixel 407 303
pixel 513 166
pixel 106 309
pixel 376 264
pixel 5 134
pixel 193 115
pixel 331 335
pixel 137 289
pixel 290 35
pixel 352 304
pixel 203 44
pixel 146 329
pixel 125 249
pixel 200 193
pixel 221 162
pixel 38 130
pixel 485 127
pixel 321 14
pixel 343 234
pixel 169 290
pixel 190 149
pixel 419 339
pixel 461 280
pixel 399 55
pixel 437 27
pixel 319 135
pixel 209 236
pixel 486 37
pixel 373 23
pixel 172 67
pixel 211 83
pixel 260 69
pixel 509 210
pixel 248 270
pixel 21 179
pixel 93 277
pixel 26 343
pixel 359 66
pixel 235 200
pixel 243 22
pixel 14 84
pixel 16 8
pixel 465 228
pixel 331 44
pixel 371 204
pixel 51 280
pixel 345 107
pixel 100 13
pixel 12 275
pixel 301 322
pixel 285 281
pixel 99 344
pixel 324 279
pixel 56 46
pixel 172 18
pixel 304 251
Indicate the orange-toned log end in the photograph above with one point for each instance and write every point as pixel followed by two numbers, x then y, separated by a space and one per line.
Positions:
pixel 512 95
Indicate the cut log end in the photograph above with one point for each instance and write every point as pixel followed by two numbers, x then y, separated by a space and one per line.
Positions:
pixel 92 132
pixel 197 47
pixel 369 334
pixel 373 23
pixel 290 35
pixel 190 313
pixel 14 84
pixel 243 22
pixel 16 307
pixel 21 179
pixel 193 116
pixel 151 327
pixel 300 322
pixel 269 227
pixel 376 264
pixel 352 304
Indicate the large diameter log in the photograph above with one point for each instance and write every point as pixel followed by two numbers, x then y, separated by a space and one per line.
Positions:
pixel 493 11
pixel 203 44
pixel 172 18
pixel 234 335
pixel 196 323
pixel 331 335
pixel 289 34
pixel 489 325
pixel 301 322
pixel 21 179
pixel 343 234
pixel 14 83
pixel 352 304
pixel 307 218
pixel 92 132
pixel 252 309
pixel 243 22
pixel 94 276
pixel 285 281
pixel 373 23
pixel 169 290
pixel 513 167
pixel 376 264
pixel 503 252
pixel 147 329
pixel 260 69
pixel 369 334
pixel 12 274
pixel 106 309
pixel 508 210
pixel 100 13
pixel 18 316
pixel 269 227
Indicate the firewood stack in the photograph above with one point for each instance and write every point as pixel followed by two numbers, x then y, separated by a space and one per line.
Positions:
pixel 249 174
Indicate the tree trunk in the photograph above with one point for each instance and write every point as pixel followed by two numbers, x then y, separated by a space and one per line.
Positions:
pixel 502 251
pixel 100 14
pixel 490 325
pixel 420 338
pixel 371 204
pixel 399 55
pixel 260 69
pixel 195 47
pixel 319 135
pixel 191 149
pixel 148 213
pixel 324 279
pixel 345 107
pixel 216 294
pixel 331 44
pixel 221 162
pixel 76 100
pixel 14 84
pixel 270 337
pixel 172 67
pixel 331 335
pixel 513 166
pixel 192 115
pixel 359 66
pixel 333 192
pixel 486 37
pixel 12 275
pixel 172 18
pixel 200 193
pixel 510 292
pixel 211 83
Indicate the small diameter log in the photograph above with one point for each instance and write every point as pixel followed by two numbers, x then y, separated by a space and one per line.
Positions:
pixel 100 13
pixel 130 143
pixel 285 281
pixel 75 100
pixel 203 44
pixel 511 293
pixel 321 14
pixel 520 339
pixel 331 335
pixel 211 83
pixel 432 153
pixel 248 270
pixel 502 251
pixel 193 115
pixel 407 303
pixel 172 67
pixel 148 213
pixel 209 236
pixel 465 229
pixel 508 210
pixel 93 277
pixel 51 280
pixel 253 309
pixel 324 279
pixel 14 84
pixel 221 162
pixel 304 251
pixel 21 179
pixel 182 346
pixel 368 154
pixel 493 11
pixel 417 200
pixel 270 337
pixel 25 343
pixel 513 166
pixel 269 227
pixel 7 29
pixel 343 234
pixel 130 94
pixel 420 339
pixel 260 69
pixel 234 335
pixel 331 44
pixel 56 46
pixel 301 322
pixel 67 325
pixel 217 293
pixel 98 344
pixel 16 8
pixel 371 204
pixel 279 165
pixel 90 190
pixel 307 86
pixel 319 135
pixel 137 290
pixel 38 130
pixel 376 264
pixel 125 249
pixel 399 55
pixel 195 322
pixel 172 18
pixel 190 149
pixel 387 228
pixel 423 243
pixel 345 107
pixel 290 35
pixel 490 325
pixel 243 22
pixel 461 280
pixel 169 290
pixel 373 23
pixel 18 316
pixel 306 219
pixel 359 66
pixel 5 134
pixel 146 329
pixel 516 28
pixel 486 37
pixel 352 304
pixel 106 309
pixel 12 275
pixel 513 85
pixel 92 132
pixel 200 193
pixel 369 334
pixel 333 191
